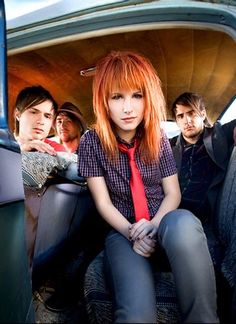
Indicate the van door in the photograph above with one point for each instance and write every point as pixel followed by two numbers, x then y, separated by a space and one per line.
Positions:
pixel 15 288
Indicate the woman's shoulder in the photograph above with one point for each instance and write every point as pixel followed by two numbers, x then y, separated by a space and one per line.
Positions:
pixel 90 137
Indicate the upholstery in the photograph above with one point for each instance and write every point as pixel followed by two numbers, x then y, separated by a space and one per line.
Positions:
pixel 37 167
pixel 50 181
pixel 187 59
pixel 227 221
pixel 16 304
pixel 98 299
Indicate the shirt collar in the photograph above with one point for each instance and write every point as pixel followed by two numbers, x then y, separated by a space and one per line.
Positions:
pixel 185 144
pixel 131 144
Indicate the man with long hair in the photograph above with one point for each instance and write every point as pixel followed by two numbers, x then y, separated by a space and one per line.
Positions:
pixel 202 153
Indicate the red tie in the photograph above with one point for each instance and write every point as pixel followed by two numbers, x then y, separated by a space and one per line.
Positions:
pixel 136 184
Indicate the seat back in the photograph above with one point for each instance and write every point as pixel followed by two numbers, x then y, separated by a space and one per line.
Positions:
pixel 15 287
pixel 56 214
pixel 226 220
pixel 66 222
pixel 16 304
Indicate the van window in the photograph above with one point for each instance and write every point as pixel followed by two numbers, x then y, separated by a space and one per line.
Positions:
pixel 171 129
pixel 229 113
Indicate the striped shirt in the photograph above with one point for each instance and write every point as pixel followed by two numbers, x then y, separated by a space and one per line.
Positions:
pixel 93 162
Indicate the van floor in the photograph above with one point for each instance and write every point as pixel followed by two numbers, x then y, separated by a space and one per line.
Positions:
pixel 62 287
pixel 75 314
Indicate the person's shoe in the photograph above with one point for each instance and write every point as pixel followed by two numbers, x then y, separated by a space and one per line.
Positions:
pixel 58 302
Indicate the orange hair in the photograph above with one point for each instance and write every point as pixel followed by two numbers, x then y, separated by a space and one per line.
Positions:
pixel 129 71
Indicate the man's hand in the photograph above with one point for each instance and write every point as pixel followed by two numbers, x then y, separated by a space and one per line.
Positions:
pixel 36 145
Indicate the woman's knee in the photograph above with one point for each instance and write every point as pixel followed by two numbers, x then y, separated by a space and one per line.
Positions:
pixel 179 219
pixel 180 227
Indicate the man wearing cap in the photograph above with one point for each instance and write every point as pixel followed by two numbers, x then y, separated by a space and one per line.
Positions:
pixel 70 125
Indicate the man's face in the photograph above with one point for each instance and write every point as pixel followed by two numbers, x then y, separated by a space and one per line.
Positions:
pixel 190 122
pixel 67 129
pixel 35 122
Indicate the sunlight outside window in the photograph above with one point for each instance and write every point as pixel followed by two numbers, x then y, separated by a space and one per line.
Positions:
pixel 230 113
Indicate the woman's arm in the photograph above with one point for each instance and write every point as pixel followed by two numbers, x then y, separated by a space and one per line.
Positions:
pixel 172 198
pixel 105 207
pixel 171 201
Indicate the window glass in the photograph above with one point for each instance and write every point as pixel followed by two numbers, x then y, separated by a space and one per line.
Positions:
pixel 229 113
pixel 171 129
pixel 24 12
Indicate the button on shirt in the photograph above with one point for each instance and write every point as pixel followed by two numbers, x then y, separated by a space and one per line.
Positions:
pixel 93 162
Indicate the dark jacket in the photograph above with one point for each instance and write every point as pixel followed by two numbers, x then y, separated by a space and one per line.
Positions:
pixel 219 142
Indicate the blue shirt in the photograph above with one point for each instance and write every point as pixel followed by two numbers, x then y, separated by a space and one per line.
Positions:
pixel 93 162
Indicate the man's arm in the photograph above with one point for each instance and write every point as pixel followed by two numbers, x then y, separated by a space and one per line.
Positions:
pixel 230 132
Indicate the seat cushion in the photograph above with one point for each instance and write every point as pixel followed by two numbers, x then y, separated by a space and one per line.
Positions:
pixel 226 217
pixel 99 302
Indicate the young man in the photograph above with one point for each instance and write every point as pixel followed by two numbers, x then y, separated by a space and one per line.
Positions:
pixel 70 125
pixel 35 109
pixel 201 161
pixel 202 152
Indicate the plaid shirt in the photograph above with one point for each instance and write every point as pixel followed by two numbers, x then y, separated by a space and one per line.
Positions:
pixel 93 162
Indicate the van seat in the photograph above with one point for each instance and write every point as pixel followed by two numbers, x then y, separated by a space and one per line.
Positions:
pixel 226 218
pixel 98 298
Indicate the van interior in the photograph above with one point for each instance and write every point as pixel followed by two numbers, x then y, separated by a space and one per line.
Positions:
pixel 191 44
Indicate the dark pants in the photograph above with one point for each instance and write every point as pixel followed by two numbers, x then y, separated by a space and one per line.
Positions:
pixel 181 236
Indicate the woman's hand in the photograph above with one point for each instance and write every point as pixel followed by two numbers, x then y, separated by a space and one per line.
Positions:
pixel 142 229
pixel 145 246
pixel 143 234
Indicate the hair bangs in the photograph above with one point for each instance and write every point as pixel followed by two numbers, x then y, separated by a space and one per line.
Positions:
pixel 124 75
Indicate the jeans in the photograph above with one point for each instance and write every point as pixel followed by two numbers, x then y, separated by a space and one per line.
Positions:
pixel 130 275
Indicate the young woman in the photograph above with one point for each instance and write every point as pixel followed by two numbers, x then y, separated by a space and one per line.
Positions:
pixel 35 109
pixel 129 107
